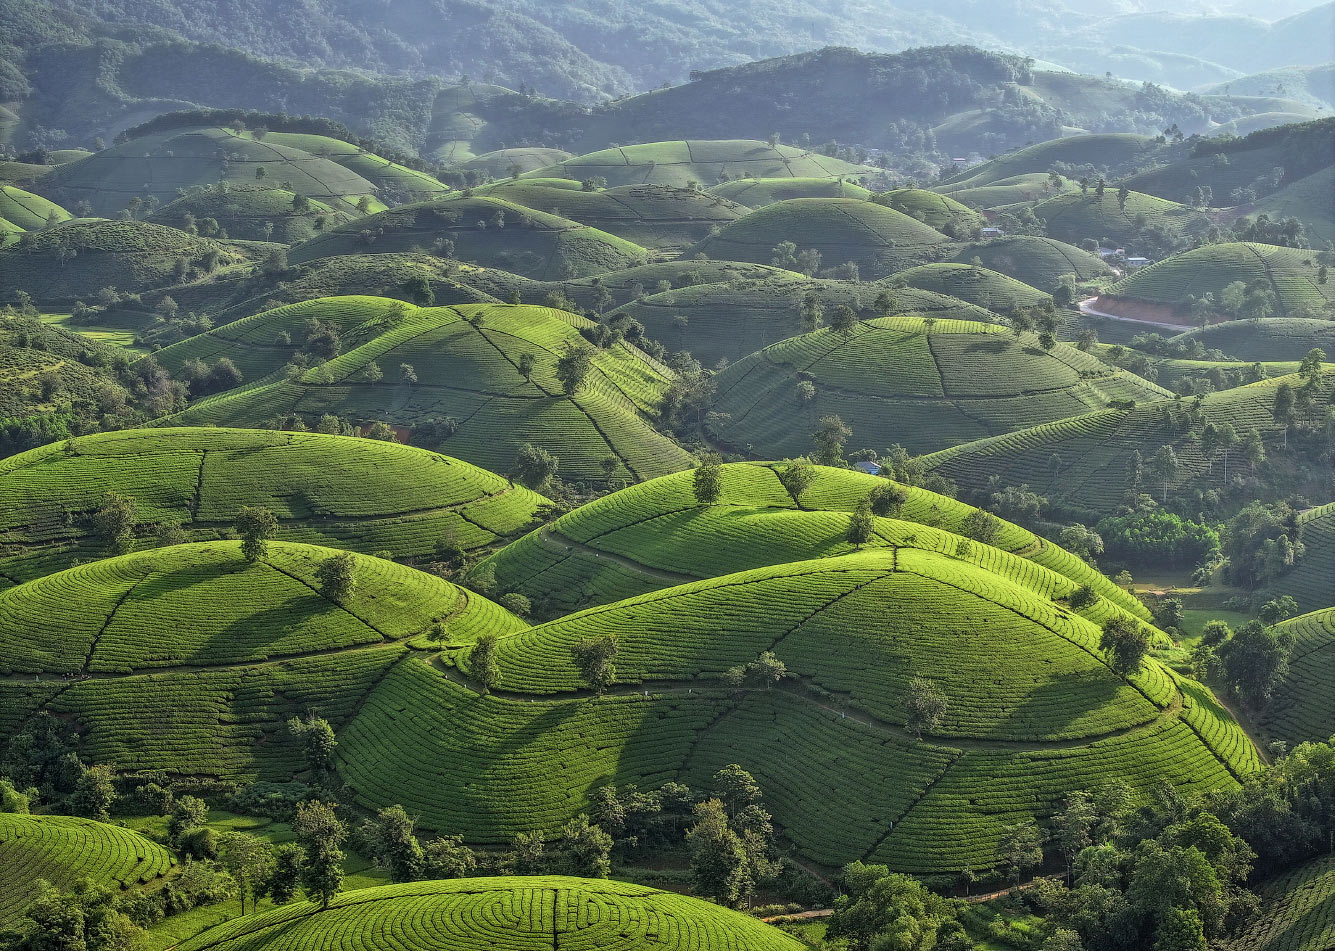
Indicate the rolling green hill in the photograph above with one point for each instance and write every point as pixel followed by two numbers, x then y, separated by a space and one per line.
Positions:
pixel 1290 273
pixel 934 210
pixel 394 183
pixel 977 285
pixel 1075 217
pixel 1311 200
pixel 77 259
pixel 1298 911
pixel 63 850
pixel 28 211
pixel 485 231
pixel 1093 452
pixel 1038 262
pixel 252 213
pixel 505 914
pixel 227 649
pixel 734 319
pixel 502 162
pixel 9 232
pixel 1109 150
pixel 901 380
pixel 878 239
pixel 1276 338
pixel 1309 581
pixel 653 216
pixel 466 362
pixel 1007 193
pixel 705 162
pixel 758 192
pixel 156 165
pixel 1303 707
pixel 649 536
pixel 362 494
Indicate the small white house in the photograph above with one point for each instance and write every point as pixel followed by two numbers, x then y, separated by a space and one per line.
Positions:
pixel 870 468
pixel 1138 262
pixel 992 232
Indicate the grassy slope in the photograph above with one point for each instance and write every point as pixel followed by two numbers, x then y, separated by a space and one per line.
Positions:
pixel 656 533
pixel 988 289
pixel 879 239
pixel 1099 150
pixel 1038 262
pixel 1303 708
pixel 1276 338
pixel 758 192
pixel 1093 450
pixel 899 381
pixel 28 211
pixel 1290 272
pixel 532 243
pixel 1297 911
pixel 62 850
pixel 505 914
pixel 1075 217
pixel 1311 200
pixel 244 213
pixel 737 318
pixel 469 372
pixel 679 163
pixel 361 494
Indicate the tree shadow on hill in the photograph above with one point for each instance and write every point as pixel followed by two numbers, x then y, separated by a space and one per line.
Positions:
pixel 1047 712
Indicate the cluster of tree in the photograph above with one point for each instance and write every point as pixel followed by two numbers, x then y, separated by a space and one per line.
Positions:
pixel 1254 660
pixel 1261 543
pixel 1156 536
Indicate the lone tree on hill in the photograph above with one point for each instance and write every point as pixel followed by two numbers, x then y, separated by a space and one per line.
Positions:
pixel 887 500
pixel 926 704
pixel 1126 643
pixel 844 321
pixel 482 660
pixel 593 657
pixel 707 479
pixel 1165 466
pixel 859 525
pixel 336 577
pixel 321 834
pixel 796 476
pixel 573 366
pixel 115 521
pixel 256 526
pixel 829 437
pixel 535 466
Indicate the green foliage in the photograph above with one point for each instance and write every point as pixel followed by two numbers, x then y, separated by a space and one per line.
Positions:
pixel 321 835
pixel 256 526
pixel 1125 643
pixel 1158 537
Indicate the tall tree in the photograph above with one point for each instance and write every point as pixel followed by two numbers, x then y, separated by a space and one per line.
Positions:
pixel 594 658
pixel 707 479
pixel 321 835
pixel 829 437
pixel 1125 642
pixel 255 525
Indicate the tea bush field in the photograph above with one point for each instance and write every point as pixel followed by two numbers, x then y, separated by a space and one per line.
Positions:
pixel 505 914
pixel 63 850
pixel 361 494
pixel 1304 705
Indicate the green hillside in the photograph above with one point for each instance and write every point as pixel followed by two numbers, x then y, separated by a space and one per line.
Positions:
pixel 1014 191
pixel 394 183
pixel 638 283
pixel 502 162
pixel 1303 707
pixel 63 850
pixel 1276 338
pixel 362 494
pixel 705 162
pixel 878 239
pixel 1038 262
pixel 1075 217
pixel 1108 150
pixel 28 211
pixel 1095 450
pixel 935 211
pixel 653 216
pixel 856 627
pixel 1311 200
pixel 649 536
pixel 9 232
pixel 79 258
pixel 252 213
pixel 1309 581
pixel 484 231
pixel 1298 911
pixel 976 285
pixel 157 165
pixel 900 380
pixel 504 914
pixel 1289 273
pixel 734 319
pixel 198 658
pixel 758 192
pixel 466 362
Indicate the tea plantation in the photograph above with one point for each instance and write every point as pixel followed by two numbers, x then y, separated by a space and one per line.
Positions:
pixel 926 385
pixel 485 231
pixel 704 162
pixel 649 536
pixel 505 914
pixel 1075 217
pixel 28 211
pixel 361 494
pixel 1304 704
pixel 976 285
pixel 1084 462
pixel 62 850
pixel 466 362
pixel 1289 273
pixel 759 192
pixel 1038 262
pixel 878 239
pixel 1276 338
pixel 1299 911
